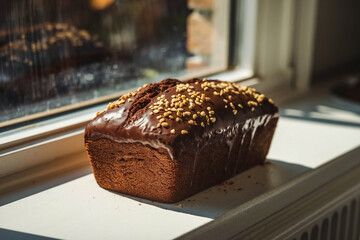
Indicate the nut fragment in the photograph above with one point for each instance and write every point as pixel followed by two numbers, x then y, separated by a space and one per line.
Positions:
pixel 98 113
pixel 184 132
pixel 164 124
pixel 172 131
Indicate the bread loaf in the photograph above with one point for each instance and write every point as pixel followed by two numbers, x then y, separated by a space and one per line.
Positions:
pixel 170 140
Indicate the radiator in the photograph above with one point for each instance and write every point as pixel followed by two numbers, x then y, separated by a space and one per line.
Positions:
pixel 321 204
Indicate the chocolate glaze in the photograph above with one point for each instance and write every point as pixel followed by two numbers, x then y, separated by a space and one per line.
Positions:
pixel 140 125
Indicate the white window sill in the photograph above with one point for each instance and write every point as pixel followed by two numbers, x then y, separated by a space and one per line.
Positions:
pixel 311 132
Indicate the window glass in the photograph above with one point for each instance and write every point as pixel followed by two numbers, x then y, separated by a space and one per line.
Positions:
pixel 58 53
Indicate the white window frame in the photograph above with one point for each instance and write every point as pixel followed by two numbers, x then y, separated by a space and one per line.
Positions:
pixel 280 62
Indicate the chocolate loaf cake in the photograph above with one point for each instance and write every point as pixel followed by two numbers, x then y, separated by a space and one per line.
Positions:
pixel 170 140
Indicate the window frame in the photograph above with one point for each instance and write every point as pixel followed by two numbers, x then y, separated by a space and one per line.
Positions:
pixel 279 74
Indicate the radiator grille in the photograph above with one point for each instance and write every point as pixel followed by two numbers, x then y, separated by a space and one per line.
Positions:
pixel 331 212
pixel 338 224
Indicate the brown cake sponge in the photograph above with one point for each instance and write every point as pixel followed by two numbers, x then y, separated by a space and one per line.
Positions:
pixel 172 139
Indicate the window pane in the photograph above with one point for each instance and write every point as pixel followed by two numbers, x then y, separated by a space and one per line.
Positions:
pixel 57 53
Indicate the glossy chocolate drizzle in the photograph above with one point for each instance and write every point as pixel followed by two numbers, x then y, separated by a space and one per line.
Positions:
pixel 230 128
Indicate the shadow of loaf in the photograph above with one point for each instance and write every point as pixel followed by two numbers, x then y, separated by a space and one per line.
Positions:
pixel 172 139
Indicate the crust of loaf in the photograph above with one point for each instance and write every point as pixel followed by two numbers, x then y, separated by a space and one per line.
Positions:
pixel 142 171
pixel 131 152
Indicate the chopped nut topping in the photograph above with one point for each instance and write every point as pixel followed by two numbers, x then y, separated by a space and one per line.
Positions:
pixel 260 98
pixel 271 101
pixel 98 113
pixel 188 100
pixel 252 103
pixel 184 132
pixel 187 113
